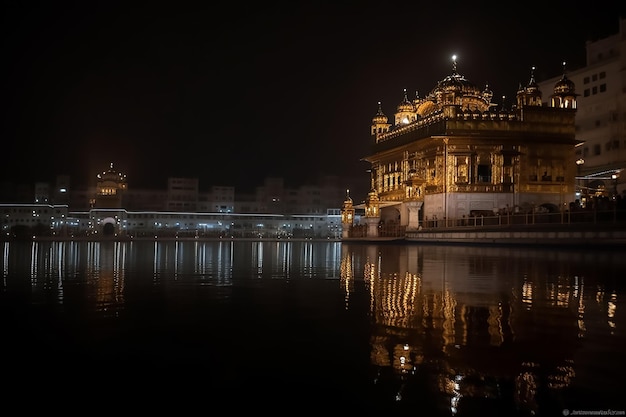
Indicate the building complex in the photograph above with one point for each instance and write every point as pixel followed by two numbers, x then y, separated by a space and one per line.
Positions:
pixel 441 159
pixel 113 209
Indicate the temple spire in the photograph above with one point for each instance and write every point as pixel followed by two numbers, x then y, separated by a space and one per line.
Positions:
pixel 532 76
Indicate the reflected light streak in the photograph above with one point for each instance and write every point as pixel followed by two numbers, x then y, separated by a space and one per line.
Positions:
pixel 334 257
pixel 563 376
pixel 308 260
pixel 395 299
pixel 59 247
pixel 93 260
pixel 34 249
pixel 220 263
pixel 526 390
pixel 109 278
pixel 582 329
pixel 449 319
pixel 599 295
pixel 527 294
pixel 178 251
pixel 5 263
pixel 611 307
pixel 288 258
pixel 347 277
pixel 200 258
pixel 456 394
pixel 259 259
pixel 494 322
pixel 155 263
pixel 370 274
pixel 562 297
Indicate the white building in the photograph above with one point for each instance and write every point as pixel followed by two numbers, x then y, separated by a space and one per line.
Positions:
pixel 601 116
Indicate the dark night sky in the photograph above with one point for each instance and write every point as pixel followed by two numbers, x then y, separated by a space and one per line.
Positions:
pixel 232 95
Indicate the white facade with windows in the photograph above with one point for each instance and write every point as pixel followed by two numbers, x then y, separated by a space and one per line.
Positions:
pixel 601 115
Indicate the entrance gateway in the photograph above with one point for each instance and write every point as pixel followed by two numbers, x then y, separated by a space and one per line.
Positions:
pixel 109 226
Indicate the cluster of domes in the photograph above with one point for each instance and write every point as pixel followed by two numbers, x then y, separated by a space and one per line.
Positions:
pixel 456 90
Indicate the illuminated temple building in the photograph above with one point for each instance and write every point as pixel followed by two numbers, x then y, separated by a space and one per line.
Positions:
pixel 454 154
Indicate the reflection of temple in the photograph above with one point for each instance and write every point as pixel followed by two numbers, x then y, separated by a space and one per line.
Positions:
pixel 455 153
pixel 106 265
pixel 470 324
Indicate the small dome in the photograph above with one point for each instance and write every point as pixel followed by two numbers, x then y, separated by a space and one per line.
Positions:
pixel 379 117
pixel 457 84
pixel 347 203
pixel 487 93
pixel 405 105
pixel 564 86
pixel 532 87
pixel 111 174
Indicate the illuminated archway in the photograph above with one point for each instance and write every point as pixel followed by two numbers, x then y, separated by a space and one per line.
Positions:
pixel 109 226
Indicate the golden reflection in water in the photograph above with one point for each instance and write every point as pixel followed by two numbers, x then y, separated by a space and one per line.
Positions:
pixel 526 387
pixel 527 293
pixel 347 277
pixel 109 274
pixel 611 307
pixel 494 322
pixel 579 293
pixel 447 306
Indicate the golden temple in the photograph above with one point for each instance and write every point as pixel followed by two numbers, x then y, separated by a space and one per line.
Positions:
pixel 454 154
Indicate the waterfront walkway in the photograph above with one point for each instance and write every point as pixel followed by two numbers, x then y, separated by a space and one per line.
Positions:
pixel 584 228
pixel 535 235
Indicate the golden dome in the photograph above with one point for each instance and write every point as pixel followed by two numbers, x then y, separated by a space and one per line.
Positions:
pixel 487 93
pixel 457 83
pixel 564 86
pixel 379 117
pixel 405 105
pixel 457 90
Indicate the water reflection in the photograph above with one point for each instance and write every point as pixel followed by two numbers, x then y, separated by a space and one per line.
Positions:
pixel 486 324
pixel 449 330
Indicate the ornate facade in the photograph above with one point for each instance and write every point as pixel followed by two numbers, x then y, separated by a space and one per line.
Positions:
pixel 454 154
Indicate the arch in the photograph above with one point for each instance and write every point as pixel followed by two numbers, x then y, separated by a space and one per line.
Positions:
pixel 109 226
pixel 390 215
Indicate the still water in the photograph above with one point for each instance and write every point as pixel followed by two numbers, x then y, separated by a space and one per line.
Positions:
pixel 300 327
